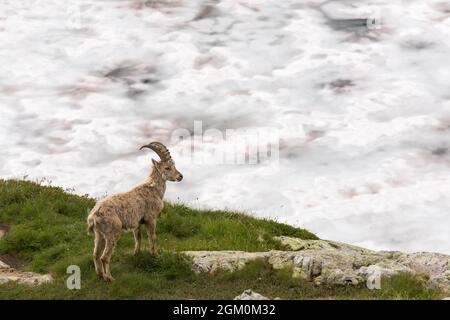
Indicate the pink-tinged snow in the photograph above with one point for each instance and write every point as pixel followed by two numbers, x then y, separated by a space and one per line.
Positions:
pixel 363 115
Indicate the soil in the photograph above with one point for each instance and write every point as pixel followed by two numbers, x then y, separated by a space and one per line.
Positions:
pixel 4 228
pixel 12 261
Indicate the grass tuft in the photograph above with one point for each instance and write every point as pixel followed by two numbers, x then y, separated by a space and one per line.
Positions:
pixel 171 265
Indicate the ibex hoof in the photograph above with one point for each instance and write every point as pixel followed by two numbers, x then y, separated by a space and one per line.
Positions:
pixel 108 278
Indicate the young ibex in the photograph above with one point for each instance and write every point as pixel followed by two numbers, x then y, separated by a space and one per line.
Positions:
pixel 129 210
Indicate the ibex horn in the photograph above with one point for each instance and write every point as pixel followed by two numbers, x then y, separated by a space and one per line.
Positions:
pixel 160 150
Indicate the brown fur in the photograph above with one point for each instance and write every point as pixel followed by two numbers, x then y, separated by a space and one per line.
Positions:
pixel 128 211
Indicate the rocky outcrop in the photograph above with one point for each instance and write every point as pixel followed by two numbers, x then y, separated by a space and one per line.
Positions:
pixel 210 261
pixel 250 295
pixel 8 274
pixel 4 228
pixel 330 262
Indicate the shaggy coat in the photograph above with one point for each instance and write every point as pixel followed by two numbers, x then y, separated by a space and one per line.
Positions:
pixel 128 211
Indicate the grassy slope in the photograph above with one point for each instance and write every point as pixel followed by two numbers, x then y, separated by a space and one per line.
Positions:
pixel 49 231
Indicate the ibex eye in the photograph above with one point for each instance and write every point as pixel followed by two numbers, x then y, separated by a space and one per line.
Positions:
pixel 167 168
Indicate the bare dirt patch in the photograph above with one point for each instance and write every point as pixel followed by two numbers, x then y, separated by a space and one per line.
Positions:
pixel 4 228
pixel 12 261
pixel 8 258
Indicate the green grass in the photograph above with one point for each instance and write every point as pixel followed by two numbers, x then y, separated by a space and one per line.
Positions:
pixel 48 230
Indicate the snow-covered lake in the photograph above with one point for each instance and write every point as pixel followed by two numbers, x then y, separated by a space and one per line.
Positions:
pixel 363 114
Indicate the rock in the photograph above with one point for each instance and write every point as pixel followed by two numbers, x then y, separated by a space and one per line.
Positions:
pixel 210 261
pixel 300 244
pixel 297 244
pixel 342 278
pixel 250 295
pixel 440 282
pixel 330 262
pixel 3 265
pixel 447 298
pixel 29 278
pixel 382 269
pixel 425 262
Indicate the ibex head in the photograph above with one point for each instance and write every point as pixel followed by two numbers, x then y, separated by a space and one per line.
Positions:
pixel 165 167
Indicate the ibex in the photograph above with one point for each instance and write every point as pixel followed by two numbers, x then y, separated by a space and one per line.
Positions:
pixel 129 210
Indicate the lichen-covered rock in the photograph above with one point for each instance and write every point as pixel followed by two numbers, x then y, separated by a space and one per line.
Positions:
pixel 382 269
pixel 306 267
pixel 210 261
pixel 440 282
pixel 250 295
pixel 340 278
pixel 330 262
pixel 425 262
pixel 8 274
pixel 297 244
